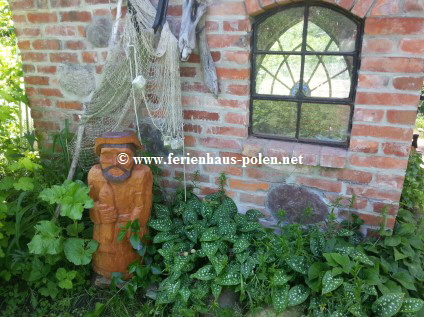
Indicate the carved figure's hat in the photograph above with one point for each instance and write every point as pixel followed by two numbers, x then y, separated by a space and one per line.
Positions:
pixel 116 138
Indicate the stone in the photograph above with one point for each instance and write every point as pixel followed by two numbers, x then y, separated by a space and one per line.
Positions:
pixel 296 311
pixel 77 80
pixel 98 32
pixel 294 200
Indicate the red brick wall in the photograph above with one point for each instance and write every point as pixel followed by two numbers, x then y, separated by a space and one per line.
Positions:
pixel 53 32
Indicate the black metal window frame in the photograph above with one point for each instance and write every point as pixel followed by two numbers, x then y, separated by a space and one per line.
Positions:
pixel 301 98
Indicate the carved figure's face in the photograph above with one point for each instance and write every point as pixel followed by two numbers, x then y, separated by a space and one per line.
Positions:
pixel 116 161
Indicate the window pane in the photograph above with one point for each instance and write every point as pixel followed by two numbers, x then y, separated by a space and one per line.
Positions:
pixel 282 31
pixel 324 122
pixel 328 76
pixel 275 118
pixel 277 74
pixel 331 31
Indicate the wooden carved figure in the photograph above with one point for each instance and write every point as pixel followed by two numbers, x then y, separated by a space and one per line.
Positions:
pixel 122 191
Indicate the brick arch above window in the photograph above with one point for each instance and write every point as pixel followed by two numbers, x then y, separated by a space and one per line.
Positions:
pixel 357 7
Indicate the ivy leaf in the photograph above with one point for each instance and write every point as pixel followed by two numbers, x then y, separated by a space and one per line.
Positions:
pixel 388 305
pixel 297 295
pixel 330 283
pixel 411 305
pixel 80 251
pixel 24 183
pixel 47 239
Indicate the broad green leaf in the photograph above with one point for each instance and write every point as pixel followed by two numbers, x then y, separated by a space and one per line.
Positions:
pixel 162 224
pixel 161 211
pixel 241 244
pixel 280 278
pixel 392 241
pixel 298 264
pixel 24 183
pixel 388 305
pixel 280 298
pixel 47 239
pixel 164 236
pixel 210 234
pixel 411 305
pixel 204 274
pixel 80 251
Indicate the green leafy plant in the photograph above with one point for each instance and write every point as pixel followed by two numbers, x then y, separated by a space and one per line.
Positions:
pixel 413 193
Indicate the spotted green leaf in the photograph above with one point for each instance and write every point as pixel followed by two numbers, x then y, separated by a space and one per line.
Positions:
pixel 164 236
pixel 297 295
pixel 298 264
pixel 241 244
pixel 280 297
pixel 216 290
pixel 204 273
pixel 411 305
pixel 210 248
pixel 210 234
pixel 330 283
pixel 219 262
pixel 280 278
pixel 162 224
pixel 388 305
pixel 253 215
pixel 185 293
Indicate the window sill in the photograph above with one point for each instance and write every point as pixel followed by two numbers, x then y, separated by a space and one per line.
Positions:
pixel 313 155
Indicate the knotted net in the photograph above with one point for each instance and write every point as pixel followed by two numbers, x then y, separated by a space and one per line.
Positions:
pixel 140 77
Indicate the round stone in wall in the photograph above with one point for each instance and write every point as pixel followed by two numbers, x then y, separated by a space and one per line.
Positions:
pixel 98 32
pixel 77 80
pixel 294 200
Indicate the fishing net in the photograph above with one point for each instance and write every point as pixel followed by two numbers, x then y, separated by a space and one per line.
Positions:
pixel 140 78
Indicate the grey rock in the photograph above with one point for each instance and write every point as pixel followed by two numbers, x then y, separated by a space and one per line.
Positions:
pixel 98 32
pixel 77 80
pixel 294 200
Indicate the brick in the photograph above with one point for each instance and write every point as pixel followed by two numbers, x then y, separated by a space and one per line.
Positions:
pixel 363 146
pixel 251 150
pixel 35 114
pixel 311 153
pixel 28 68
pixel 253 7
pixel 64 3
pixel 219 41
pixel 75 45
pixel 30 32
pixel 376 45
pixel 33 57
pixel 398 149
pixel 414 46
pixel 42 17
pixel 235 104
pixel 361 7
pixel 391 209
pixel 59 30
pixel 46 69
pixel 24 45
pixel 408 83
pixel 192 177
pixel 322 184
pixel 175 10
pixel 366 191
pixel 30 91
pixel 247 185
pixel 36 80
pixel 22 5
pixel 75 16
pixel 347 202
pixel 401 117
pixel 390 181
pixel 200 115
pixel 49 126
pixel 188 71
pixel 346 4
pixel 228 170
pixel 97 1
pixel 372 81
pixel 355 176
pixel 189 140
pixel 194 128
pixel 383 99
pixel 46 44
pixel 392 26
pixel 39 102
pixel 375 220
pixel 230 131
pixel 413 5
pixel 19 18
pixel 89 57
pixel 393 64
pixel 237 25
pixel 252 199
pixel 236 118
pixel 63 58
pixel 239 57
pixel 368 115
pixel 50 92
pixel 384 132
pixel 226 8
pixel 194 87
pixel 385 7
pixel 211 26
pixel 220 143
pixel 332 161
pixel 233 73
pixel 238 90
pixel 379 162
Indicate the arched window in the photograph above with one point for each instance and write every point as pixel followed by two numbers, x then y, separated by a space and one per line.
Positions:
pixel 305 59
